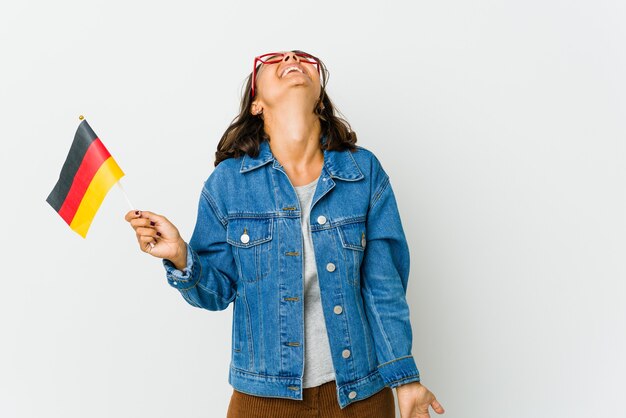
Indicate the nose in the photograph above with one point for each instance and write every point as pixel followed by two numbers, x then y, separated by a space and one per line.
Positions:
pixel 291 56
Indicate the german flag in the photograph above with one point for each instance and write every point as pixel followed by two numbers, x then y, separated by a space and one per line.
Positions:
pixel 87 175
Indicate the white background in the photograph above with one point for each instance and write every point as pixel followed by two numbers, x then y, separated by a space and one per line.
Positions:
pixel 501 124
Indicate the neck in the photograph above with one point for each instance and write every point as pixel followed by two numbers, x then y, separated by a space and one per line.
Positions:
pixel 292 122
pixel 294 132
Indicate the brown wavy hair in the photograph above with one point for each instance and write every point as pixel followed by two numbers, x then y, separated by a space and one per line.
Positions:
pixel 245 133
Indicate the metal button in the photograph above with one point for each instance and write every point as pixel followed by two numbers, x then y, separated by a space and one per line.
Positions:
pixel 330 267
pixel 174 283
pixel 321 219
pixel 345 353
pixel 363 242
pixel 245 238
pixel 338 309
pixel 352 395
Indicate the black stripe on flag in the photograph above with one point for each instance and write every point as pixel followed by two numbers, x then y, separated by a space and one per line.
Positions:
pixel 82 140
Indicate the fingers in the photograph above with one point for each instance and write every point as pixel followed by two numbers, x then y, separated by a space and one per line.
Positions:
pixel 132 215
pixel 437 406
pixel 139 222
pixel 147 236
pixel 144 214
pixel 146 232
pixel 147 221
pixel 156 218
pixel 144 223
pixel 147 243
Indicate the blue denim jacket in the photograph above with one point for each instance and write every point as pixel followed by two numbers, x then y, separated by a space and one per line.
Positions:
pixel 246 248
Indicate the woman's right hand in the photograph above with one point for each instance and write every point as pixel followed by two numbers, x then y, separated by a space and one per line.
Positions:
pixel 157 236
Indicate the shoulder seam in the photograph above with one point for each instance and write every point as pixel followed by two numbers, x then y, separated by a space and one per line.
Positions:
pixel 221 217
pixel 379 191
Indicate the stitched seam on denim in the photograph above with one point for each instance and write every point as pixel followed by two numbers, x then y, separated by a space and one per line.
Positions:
pixel 214 207
pixel 364 380
pixel 346 261
pixel 379 322
pixel 344 236
pixel 355 164
pixel 224 300
pixel 248 321
pixel 348 221
pixel 186 288
pixel 213 293
pixel 172 276
pixel 364 326
pixel 404 378
pixel 391 361
pixel 171 272
pixel 195 283
pixel 196 260
pixel 261 333
pixel 235 329
pixel 379 192
pixel 267 376
pixel 187 297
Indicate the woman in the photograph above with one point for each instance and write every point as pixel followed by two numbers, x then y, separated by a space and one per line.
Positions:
pixel 295 212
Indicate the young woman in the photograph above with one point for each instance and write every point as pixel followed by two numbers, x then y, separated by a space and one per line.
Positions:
pixel 298 227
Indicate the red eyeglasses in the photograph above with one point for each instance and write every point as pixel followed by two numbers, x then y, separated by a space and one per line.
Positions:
pixel 275 57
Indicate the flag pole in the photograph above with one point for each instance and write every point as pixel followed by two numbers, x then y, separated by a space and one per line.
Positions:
pixel 119 183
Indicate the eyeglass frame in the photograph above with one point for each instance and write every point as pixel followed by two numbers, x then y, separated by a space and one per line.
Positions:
pixel 300 54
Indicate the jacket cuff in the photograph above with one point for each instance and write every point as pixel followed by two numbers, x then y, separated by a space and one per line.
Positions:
pixel 186 278
pixel 399 371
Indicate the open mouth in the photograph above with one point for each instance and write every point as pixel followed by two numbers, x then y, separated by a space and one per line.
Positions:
pixel 290 70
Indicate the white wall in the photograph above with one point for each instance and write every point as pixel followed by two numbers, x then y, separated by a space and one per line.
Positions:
pixel 501 125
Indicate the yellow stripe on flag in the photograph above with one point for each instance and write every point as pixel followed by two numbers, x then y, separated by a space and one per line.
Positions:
pixel 106 176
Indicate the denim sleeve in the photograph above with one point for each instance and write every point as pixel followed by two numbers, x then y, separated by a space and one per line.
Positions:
pixel 384 277
pixel 208 280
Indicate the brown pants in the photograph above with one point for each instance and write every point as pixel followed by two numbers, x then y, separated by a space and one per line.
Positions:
pixel 318 402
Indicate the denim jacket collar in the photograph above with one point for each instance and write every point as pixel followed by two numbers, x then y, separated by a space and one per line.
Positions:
pixel 339 164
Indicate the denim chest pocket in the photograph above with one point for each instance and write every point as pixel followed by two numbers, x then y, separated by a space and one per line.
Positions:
pixel 353 241
pixel 251 239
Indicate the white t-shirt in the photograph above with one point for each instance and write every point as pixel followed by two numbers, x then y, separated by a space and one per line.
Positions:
pixel 318 364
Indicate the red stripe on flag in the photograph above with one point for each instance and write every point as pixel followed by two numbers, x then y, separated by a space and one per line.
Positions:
pixel 95 156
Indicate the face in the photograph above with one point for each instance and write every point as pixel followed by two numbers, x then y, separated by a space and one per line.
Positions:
pixel 274 83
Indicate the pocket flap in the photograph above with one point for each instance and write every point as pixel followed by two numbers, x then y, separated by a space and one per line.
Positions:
pixel 353 235
pixel 247 232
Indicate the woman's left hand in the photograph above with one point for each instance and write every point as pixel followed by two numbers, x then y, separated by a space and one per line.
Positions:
pixel 414 400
